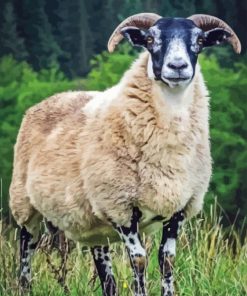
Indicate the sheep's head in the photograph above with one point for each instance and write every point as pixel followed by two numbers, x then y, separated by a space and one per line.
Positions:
pixel 173 43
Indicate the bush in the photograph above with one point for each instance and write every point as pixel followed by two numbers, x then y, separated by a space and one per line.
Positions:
pixel 228 89
pixel 107 69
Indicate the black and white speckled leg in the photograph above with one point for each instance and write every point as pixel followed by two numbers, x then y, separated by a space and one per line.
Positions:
pixel 167 252
pixel 102 260
pixel 131 238
pixel 27 247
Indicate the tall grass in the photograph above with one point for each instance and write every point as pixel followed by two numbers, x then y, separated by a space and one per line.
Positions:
pixel 209 262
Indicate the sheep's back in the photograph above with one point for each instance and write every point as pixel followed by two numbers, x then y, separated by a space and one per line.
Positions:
pixel 47 128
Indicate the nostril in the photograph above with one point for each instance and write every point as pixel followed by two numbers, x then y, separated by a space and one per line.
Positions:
pixel 157 73
pixel 184 65
pixel 177 65
pixel 172 66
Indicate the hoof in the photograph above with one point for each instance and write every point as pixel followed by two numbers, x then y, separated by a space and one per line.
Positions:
pixel 24 284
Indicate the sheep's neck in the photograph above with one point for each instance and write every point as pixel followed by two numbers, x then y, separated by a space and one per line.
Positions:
pixel 151 104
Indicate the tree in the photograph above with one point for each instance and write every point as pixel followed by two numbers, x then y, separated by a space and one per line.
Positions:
pixel 11 42
pixel 109 66
pixel 74 37
pixel 241 7
pixel 41 45
pixel 103 19
pixel 81 51
pixel 131 7
pixel 228 136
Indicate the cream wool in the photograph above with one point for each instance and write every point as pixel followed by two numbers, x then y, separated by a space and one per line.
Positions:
pixel 80 165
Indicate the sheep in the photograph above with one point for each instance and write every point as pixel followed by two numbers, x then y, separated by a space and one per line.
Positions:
pixel 108 166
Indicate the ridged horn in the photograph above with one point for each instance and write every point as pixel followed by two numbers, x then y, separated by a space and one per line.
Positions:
pixel 140 20
pixel 209 22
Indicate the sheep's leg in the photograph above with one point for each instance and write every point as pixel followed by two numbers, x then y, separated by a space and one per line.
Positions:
pixel 167 252
pixel 28 243
pixel 102 260
pixel 137 253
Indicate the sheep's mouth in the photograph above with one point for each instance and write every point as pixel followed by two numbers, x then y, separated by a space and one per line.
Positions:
pixel 177 79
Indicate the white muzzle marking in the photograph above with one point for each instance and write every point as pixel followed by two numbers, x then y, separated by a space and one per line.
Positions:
pixel 176 54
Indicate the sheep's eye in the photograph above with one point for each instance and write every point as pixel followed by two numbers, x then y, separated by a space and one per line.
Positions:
pixel 200 41
pixel 150 40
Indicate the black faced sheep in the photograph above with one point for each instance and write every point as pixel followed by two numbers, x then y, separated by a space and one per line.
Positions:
pixel 109 165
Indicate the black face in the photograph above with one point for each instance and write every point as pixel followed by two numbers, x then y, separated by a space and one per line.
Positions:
pixel 174 45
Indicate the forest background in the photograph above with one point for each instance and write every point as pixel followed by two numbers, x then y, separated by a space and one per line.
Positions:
pixel 49 46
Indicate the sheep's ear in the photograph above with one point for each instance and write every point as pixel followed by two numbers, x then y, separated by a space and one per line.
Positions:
pixel 135 36
pixel 215 37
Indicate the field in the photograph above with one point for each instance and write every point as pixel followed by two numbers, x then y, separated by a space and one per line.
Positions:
pixel 208 263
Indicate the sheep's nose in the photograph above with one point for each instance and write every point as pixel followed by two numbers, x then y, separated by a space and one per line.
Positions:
pixel 177 65
pixel 157 73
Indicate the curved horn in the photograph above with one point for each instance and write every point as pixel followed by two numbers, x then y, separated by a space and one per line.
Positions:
pixel 208 22
pixel 140 20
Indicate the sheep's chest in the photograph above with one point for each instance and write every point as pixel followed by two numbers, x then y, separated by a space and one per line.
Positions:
pixel 167 168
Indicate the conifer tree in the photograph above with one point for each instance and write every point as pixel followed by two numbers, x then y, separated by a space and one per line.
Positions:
pixel 74 37
pixel 131 7
pixel 11 42
pixel 41 45
pixel 81 48
pixel 241 25
pixel 102 21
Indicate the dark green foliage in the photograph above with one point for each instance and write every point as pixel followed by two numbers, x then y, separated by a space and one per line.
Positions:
pixel 10 40
pixel 70 32
pixel 103 17
pixel 107 69
pixel 229 135
pixel 131 7
pixel 42 47
pixel 73 37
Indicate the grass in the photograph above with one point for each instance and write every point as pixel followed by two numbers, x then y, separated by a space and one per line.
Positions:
pixel 208 263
